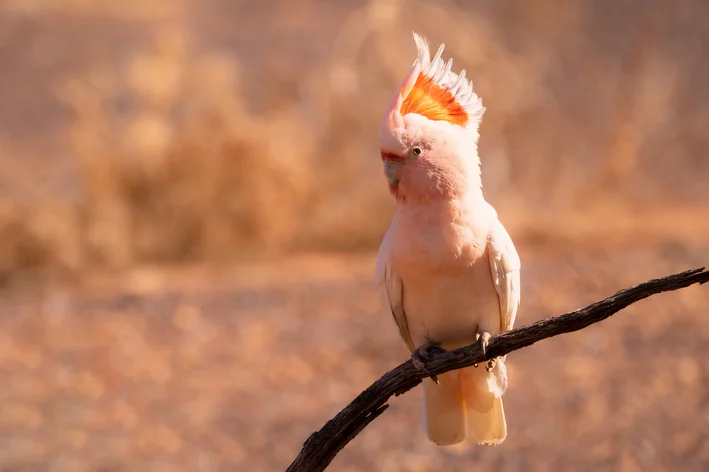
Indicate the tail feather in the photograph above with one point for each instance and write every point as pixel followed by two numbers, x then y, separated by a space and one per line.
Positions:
pixel 487 427
pixel 443 409
pixel 466 404
pixel 482 397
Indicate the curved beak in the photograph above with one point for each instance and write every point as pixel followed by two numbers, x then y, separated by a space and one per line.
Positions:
pixel 392 165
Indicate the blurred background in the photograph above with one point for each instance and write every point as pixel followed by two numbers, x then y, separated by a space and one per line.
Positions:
pixel 191 201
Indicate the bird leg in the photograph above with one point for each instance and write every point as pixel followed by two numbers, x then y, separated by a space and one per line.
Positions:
pixel 484 338
pixel 423 354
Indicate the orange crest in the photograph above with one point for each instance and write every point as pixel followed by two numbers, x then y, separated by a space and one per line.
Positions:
pixel 438 93
pixel 429 99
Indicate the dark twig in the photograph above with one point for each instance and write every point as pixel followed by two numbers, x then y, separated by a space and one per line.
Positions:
pixel 322 446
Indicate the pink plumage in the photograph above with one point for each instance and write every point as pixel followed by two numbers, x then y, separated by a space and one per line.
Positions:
pixel 447 268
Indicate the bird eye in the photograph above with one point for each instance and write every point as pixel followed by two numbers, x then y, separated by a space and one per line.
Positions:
pixel 416 151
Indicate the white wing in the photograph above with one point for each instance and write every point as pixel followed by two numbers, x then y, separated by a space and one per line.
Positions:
pixel 391 291
pixel 505 267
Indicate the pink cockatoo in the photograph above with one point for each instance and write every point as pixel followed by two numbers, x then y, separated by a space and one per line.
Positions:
pixel 447 268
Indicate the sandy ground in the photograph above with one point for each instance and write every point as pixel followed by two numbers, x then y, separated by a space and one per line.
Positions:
pixel 201 370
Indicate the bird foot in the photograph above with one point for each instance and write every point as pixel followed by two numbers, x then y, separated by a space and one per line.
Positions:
pixel 484 338
pixel 491 365
pixel 422 355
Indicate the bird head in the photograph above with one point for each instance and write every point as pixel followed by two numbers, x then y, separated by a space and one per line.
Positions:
pixel 429 134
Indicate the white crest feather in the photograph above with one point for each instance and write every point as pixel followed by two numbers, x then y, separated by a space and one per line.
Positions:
pixel 442 75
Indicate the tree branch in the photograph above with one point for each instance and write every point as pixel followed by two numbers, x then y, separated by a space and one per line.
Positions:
pixel 322 446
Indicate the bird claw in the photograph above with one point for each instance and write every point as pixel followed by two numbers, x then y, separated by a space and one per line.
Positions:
pixel 422 354
pixel 483 339
pixel 491 365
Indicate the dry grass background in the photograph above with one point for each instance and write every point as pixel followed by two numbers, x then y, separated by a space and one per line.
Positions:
pixel 172 174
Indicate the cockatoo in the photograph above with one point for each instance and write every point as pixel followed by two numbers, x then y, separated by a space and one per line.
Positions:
pixel 447 268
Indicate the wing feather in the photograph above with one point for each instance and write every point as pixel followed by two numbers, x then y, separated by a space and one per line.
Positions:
pixel 505 267
pixel 391 290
